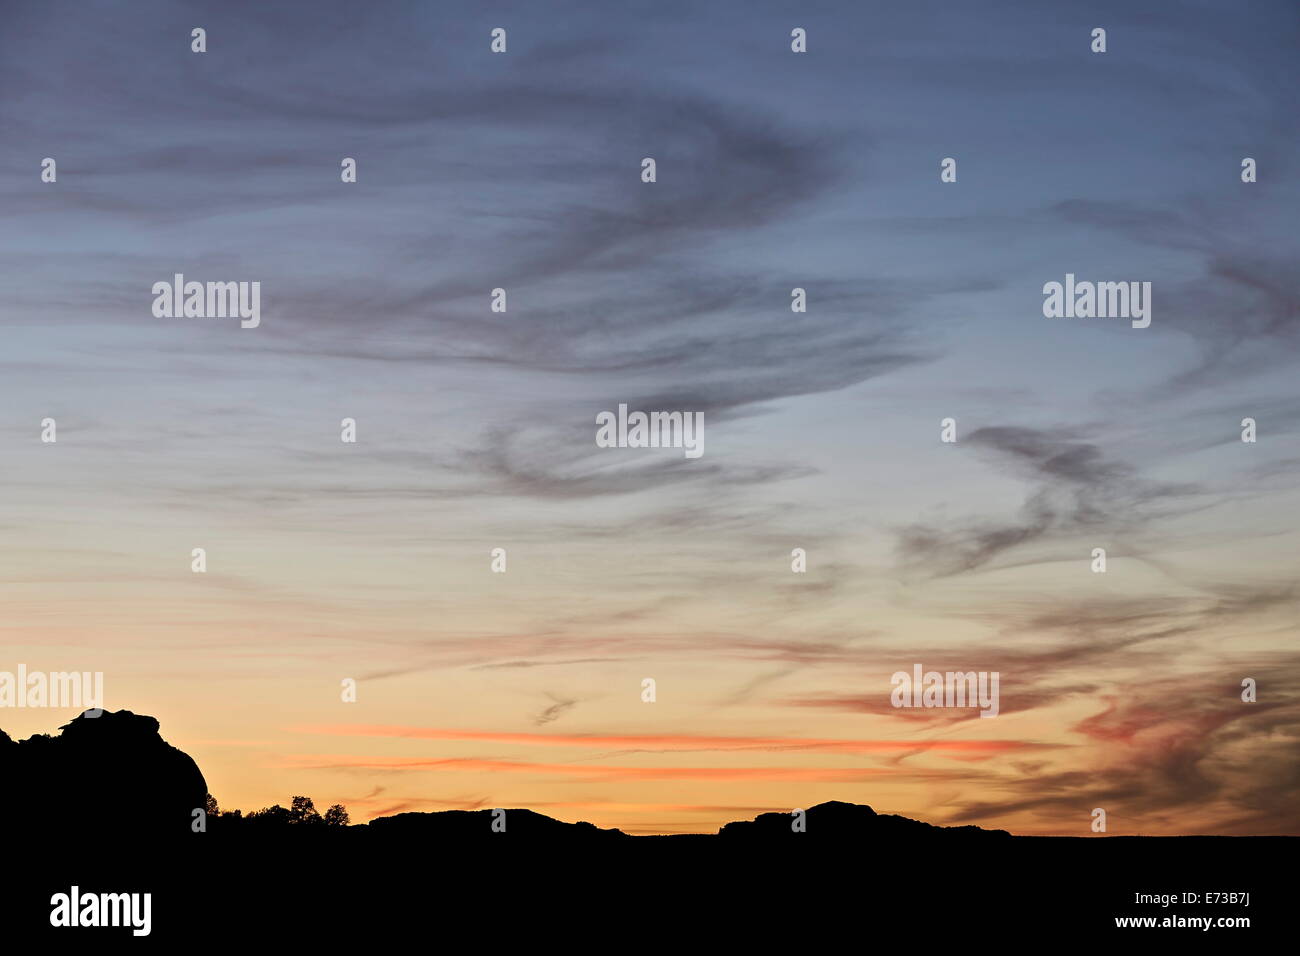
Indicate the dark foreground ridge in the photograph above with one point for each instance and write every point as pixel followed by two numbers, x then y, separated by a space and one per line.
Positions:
pixel 110 807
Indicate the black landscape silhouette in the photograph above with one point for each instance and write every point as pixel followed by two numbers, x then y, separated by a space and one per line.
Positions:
pixel 108 805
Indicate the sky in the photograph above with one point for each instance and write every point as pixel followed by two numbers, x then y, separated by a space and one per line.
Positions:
pixel 521 170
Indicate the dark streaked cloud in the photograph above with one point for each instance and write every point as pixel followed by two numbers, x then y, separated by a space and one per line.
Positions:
pixel 1182 745
pixel 1075 488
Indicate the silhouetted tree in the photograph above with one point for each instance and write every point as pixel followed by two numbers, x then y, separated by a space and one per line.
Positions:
pixel 272 816
pixel 302 810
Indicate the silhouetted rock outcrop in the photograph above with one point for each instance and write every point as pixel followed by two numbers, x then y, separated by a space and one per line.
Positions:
pixel 106 776
pixel 837 820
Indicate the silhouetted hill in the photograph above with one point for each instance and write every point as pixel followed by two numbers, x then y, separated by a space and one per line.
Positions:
pixel 473 824
pixel 836 820
pixel 833 820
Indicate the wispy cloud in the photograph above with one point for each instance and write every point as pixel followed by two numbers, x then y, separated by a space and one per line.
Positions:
pixel 655 743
